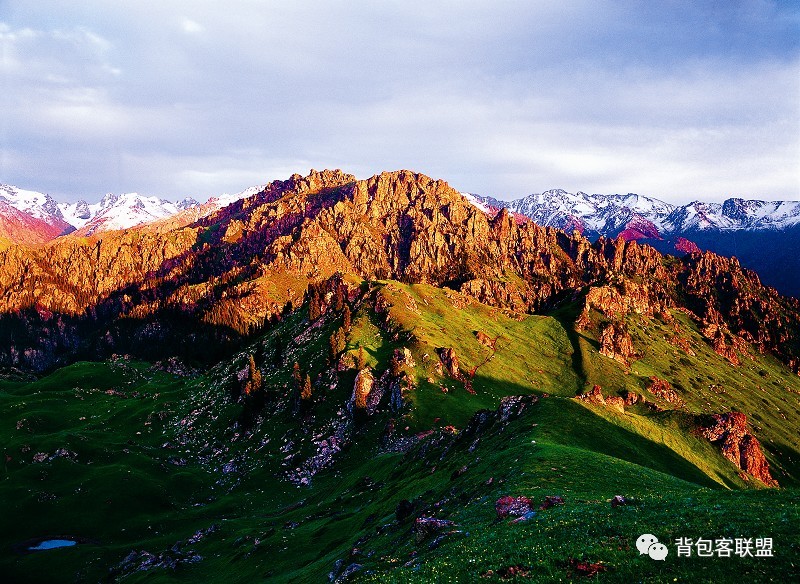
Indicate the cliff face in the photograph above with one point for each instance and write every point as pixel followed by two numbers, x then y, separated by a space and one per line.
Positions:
pixel 234 269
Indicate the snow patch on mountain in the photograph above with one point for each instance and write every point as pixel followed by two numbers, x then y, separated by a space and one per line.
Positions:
pixel 226 199
pixel 477 202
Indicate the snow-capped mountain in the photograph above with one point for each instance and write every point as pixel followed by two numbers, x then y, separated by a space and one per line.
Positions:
pixel 734 214
pixel 120 212
pixel 29 216
pixel 226 199
pixel 35 204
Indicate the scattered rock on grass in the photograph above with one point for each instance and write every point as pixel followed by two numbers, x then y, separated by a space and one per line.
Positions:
pixel 528 515
pixel 425 527
pixel 551 501
pixel 509 572
pixel 619 500
pixel 585 568
pixel 512 506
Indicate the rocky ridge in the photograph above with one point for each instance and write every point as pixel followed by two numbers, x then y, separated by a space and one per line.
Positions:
pixel 239 266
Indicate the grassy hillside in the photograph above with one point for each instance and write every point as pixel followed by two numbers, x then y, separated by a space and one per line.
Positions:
pixel 168 478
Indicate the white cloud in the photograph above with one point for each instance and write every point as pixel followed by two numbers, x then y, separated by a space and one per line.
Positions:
pixel 192 27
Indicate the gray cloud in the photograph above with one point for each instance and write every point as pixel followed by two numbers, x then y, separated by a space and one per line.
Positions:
pixel 195 98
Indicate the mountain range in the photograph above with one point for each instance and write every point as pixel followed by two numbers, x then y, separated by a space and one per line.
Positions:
pixel 638 217
pixel 333 379
pixel 735 227
pixel 33 217
pixel 762 234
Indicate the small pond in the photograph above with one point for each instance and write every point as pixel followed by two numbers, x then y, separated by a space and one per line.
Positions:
pixel 50 544
pixel 40 544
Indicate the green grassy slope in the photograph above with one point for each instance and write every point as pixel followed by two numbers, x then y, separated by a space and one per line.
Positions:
pixel 135 459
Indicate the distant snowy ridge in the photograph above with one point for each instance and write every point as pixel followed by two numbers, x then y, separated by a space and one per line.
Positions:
pixel 117 212
pixel 227 199
pixel 112 212
pixel 609 215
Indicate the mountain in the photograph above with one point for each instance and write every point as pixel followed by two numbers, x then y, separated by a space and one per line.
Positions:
pixel 120 212
pixel 734 214
pixel 374 380
pixel 115 212
pixel 19 227
pixel 609 215
pixel 29 217
pixel 39 218
pixel 735 227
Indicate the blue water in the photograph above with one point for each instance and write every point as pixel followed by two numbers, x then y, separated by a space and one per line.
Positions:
pixel 50 544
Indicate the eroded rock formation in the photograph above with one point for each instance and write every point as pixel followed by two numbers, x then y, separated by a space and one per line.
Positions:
pixel 616 342
pixel 730 432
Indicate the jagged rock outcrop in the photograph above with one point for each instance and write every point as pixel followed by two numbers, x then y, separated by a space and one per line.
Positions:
pixel 630 398
pixel 722 293
pixel 485 340
pixel 730 432
pixel 595 397
pixel 449 362
pixel 362 387
pixel 661 388
pixel 627 297
pixel 718 335
pixel 481 424
pixel 509 506
pixel 616 343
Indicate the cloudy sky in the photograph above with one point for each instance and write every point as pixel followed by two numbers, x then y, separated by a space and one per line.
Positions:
pixel 673 99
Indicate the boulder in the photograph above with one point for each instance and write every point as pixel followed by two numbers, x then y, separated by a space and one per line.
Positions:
pixel 509 506
pixel 449 361
pixel 425 527
pixel 361 388
pixel 662 389
pixel 616 343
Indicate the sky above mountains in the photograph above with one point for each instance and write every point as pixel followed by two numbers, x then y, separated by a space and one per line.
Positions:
pixel 676 100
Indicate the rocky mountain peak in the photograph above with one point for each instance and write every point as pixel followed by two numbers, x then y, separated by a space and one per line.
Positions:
pixel 736 209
